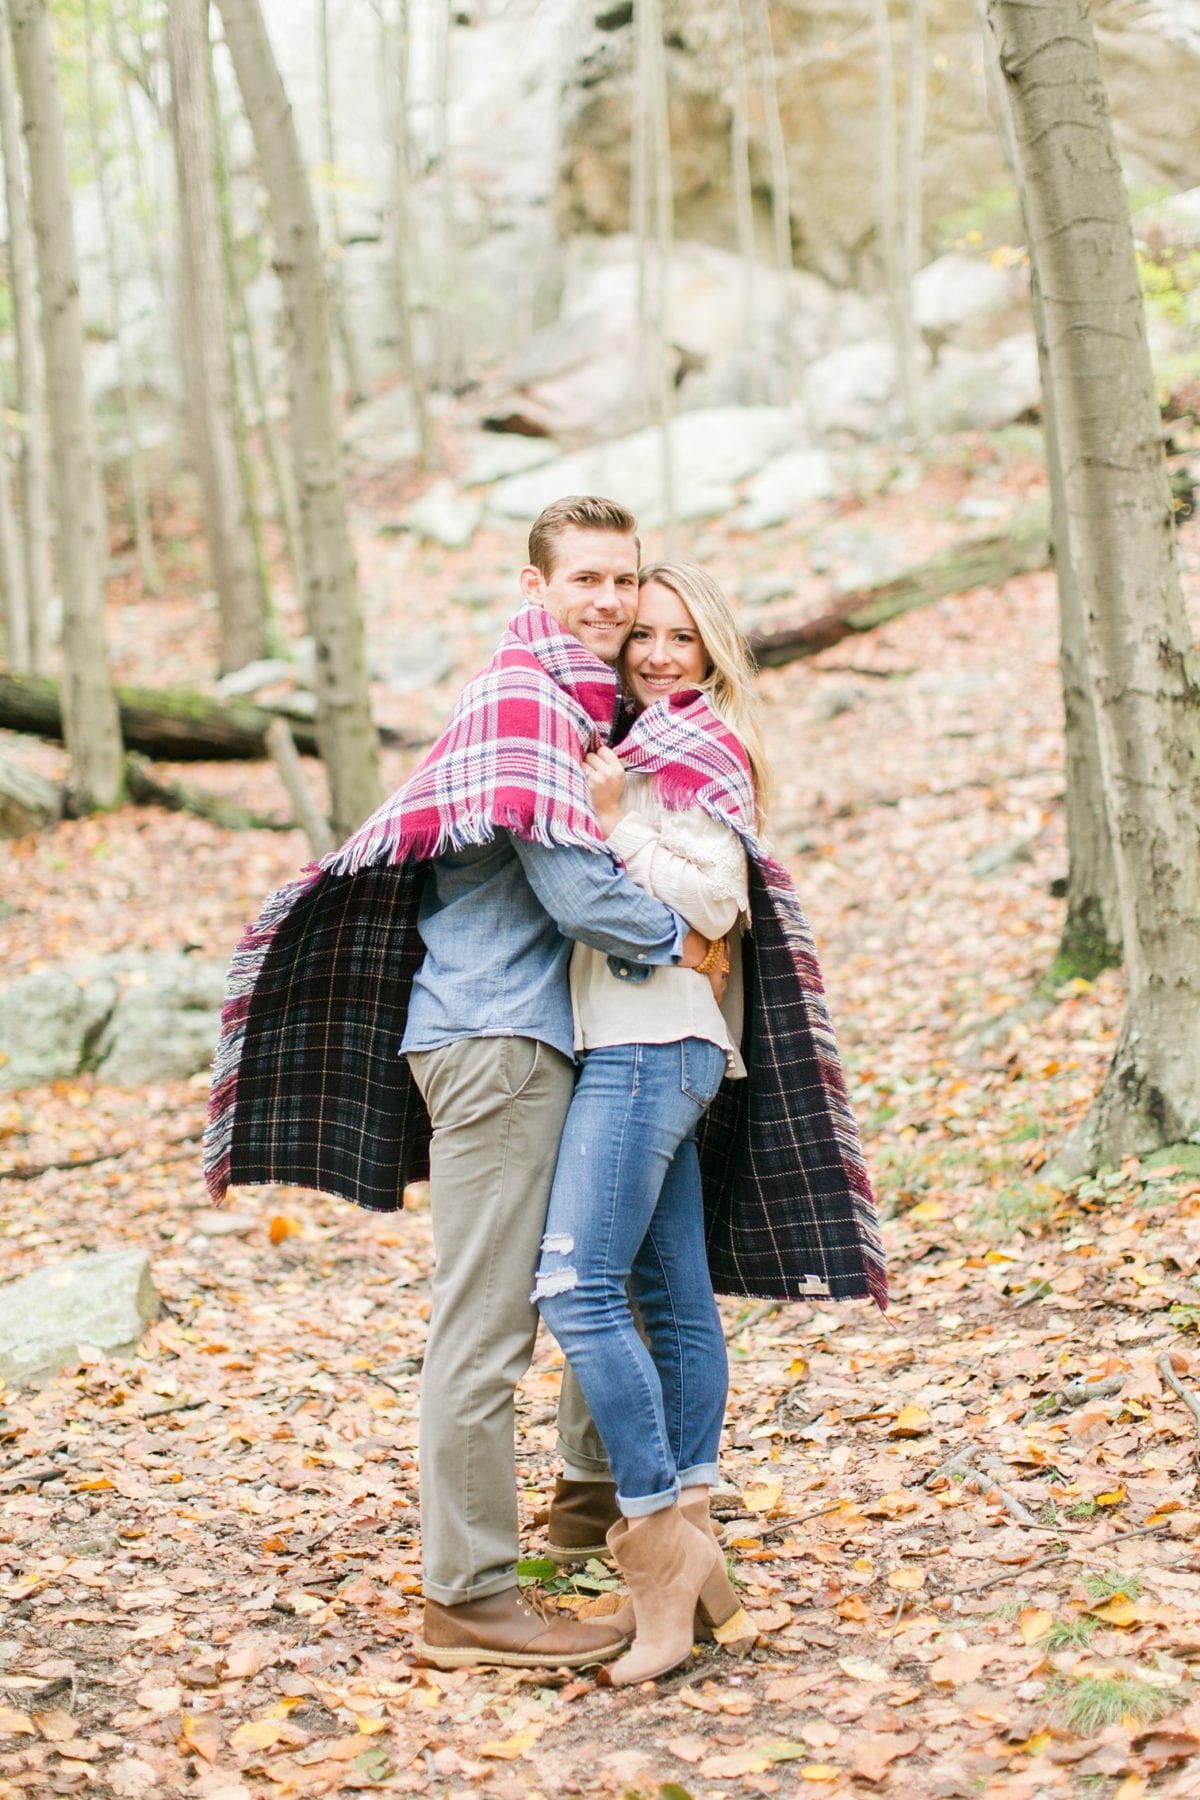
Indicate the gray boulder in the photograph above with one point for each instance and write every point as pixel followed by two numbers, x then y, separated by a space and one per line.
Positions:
pixel 445 515
pixel 131 1018
pixel 712 449
pixel 979 390
pixel 424 659
pixel 102 1300
pixel 785 484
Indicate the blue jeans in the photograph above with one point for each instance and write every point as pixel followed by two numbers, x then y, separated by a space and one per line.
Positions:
pixel 626 1220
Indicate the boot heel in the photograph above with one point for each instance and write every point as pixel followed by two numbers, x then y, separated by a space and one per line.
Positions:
pixel 717 1602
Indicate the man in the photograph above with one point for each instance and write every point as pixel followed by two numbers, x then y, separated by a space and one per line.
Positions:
pixel 489 1043
pixel 442 929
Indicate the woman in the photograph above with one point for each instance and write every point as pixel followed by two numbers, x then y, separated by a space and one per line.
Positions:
pixel 626 1209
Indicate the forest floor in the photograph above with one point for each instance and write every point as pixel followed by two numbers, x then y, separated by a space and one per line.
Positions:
pixel 968 1533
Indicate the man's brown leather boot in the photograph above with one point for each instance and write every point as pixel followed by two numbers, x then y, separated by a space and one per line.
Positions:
pixel 581 1514
pixel 516 1632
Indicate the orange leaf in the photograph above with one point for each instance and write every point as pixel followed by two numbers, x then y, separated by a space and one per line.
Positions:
pixel 1035 1622
pixel 281 1227
pixel 907 1580
pixel 910 1421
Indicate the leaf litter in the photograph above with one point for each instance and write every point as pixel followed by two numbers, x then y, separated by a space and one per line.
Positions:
pixel 966 1534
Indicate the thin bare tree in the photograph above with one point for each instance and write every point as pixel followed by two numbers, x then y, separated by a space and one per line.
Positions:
pixel 349 742
pixel 781 201
pixel 1091 932
pixel 34 451
pixel 743 200
pixel 208 348
pixel 897 275
pixel 139 486
pixel 92 728
pixel 394 35
pixel 653 229
pixel 1143 664
pixel 355 385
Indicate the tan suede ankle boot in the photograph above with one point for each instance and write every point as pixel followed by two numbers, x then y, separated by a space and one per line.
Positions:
pixel 735 1626
pixel 670 1569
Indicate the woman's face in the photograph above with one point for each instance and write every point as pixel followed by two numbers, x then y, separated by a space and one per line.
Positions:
pixel 664 651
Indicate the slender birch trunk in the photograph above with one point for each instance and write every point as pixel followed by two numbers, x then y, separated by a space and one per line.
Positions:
pixel 781 198
pixel 139 492
pixel 355 386
pixel 208 351
pixel 653 197
pixel 899 288
pixel 449 310
pixel 349 744
pixel 92 729
pixel 1144 667
pixel 146 179
pixel 743 198
pixel 245 342
pixel 1091 933
pixel 12 574
pixel 34 453
pixel 393 78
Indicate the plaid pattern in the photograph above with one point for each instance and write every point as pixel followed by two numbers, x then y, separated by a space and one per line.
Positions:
pixel 308 1088
pixel 788 1204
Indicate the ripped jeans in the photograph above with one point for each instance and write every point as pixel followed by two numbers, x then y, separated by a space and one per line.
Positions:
pixel 626 1219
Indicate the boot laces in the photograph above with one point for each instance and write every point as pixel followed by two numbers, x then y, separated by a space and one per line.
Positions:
pixel 539 1603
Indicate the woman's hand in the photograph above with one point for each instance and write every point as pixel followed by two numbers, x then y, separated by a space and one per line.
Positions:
pixel 606 779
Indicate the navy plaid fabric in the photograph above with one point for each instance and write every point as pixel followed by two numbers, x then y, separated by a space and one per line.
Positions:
pixel 787 1201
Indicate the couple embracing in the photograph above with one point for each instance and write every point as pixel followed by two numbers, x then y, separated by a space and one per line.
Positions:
pixel 558 972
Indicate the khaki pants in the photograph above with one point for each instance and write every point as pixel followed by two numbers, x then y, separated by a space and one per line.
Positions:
pixel 497 1106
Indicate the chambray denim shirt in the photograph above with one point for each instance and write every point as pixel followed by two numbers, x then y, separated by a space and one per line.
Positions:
pixel 498 921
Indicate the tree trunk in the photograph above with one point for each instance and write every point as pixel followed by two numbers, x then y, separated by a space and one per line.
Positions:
pixel 653 229
pixel 781 201
pixel 12 573
pixel 393 77
pixel 1144 669
pixel 349 744
pixel 92 731
pixel 891 230
pixel 33 465
pixel 355 386
pixel 743 208
pixel 208 353
pixel 139 491
pixel 1091 933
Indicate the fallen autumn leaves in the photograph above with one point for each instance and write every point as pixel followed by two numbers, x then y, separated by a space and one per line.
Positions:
pixel 967 1534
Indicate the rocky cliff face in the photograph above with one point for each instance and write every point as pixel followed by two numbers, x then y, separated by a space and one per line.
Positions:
pixel 826 58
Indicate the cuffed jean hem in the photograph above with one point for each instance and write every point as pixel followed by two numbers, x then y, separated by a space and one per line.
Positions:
pixel 642 1505
pixel 702 1475
pixel 478 1590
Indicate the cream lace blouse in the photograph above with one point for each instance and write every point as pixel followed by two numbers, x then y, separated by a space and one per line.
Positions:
pixel 691 863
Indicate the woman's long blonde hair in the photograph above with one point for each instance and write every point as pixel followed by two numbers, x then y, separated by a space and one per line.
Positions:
pixel 729 683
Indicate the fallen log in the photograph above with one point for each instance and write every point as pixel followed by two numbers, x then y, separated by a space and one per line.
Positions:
pixel 146 789
pixel 171 724
pixel 988 561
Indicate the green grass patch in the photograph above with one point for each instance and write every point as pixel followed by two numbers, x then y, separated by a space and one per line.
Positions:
pixel 1012 1209
pixel 1099 1700
pixel 1070 1634
pixel 1112 1581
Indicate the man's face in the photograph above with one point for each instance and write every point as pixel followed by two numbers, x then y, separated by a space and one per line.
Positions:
pixel 592 588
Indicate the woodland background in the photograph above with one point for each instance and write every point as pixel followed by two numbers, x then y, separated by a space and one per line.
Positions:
pixel 271 444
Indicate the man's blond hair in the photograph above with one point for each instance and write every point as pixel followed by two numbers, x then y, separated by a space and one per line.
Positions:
pixel 588 512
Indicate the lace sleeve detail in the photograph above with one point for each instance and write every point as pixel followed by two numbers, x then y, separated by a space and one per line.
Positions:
pixel 711 848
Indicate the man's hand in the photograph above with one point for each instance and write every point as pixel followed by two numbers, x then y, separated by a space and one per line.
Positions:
pixel 606 779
